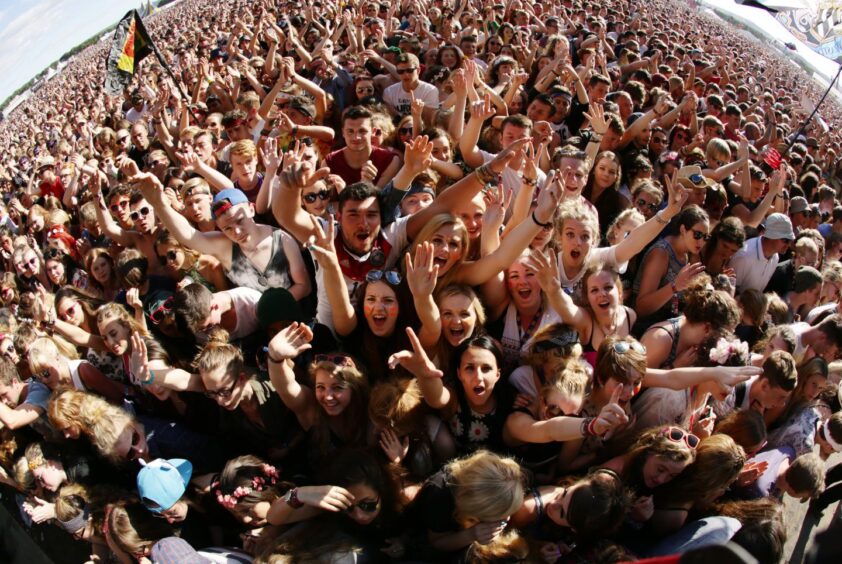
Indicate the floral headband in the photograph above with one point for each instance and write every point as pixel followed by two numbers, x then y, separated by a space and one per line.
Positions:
pixel 726 348
pixel 258 484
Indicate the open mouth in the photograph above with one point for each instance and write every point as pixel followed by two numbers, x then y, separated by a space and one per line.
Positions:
pixel 379 320
pixel 440 262
pixel 457 332
pixel 362 235
pixel 575 255
pixel 479 390
pixel 525 293
pixel 604 304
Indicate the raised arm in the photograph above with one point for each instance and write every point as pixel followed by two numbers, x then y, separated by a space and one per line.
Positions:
pixel 286 204
pixel 480 111
pixel 419 365
pixel 321 245
pixel 285 346
pixel 106 222
pixel 644 234
pixel 146 372
pixel 546 271
pixel 421 276
pixel 683 378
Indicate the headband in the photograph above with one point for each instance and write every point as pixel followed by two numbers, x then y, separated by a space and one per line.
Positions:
pixel 74 524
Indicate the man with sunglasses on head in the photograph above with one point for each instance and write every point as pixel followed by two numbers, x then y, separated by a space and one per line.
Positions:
pixel 400 97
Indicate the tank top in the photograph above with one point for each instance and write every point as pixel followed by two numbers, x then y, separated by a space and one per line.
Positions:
pixel 276 275
pixel 74 365
pixel 589 351
pixel 674 305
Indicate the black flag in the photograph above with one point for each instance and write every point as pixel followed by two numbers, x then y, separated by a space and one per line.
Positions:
pixel 130 45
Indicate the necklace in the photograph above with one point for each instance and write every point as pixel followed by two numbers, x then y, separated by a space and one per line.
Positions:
pixel 611 329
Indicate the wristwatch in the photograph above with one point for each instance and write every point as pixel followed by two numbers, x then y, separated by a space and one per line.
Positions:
pixel 291 499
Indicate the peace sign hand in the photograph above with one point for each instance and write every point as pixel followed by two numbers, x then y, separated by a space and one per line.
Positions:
pixel 321 243
pixel 677 196
pixel 415 361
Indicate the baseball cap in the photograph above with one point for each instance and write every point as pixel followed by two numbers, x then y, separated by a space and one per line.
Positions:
pixel 227 199
pixel 161 483
pixel 303 105
pixel 175 550
pixel 778 226
pixel 798 205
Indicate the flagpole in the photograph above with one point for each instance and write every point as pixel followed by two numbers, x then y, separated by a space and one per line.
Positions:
pixel 177 83
pixel 813 113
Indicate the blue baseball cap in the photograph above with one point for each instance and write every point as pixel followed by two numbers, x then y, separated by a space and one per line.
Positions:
pixel 161 483
pixel 227 199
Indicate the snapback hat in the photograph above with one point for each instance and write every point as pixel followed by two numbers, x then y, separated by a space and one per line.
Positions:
pixel 227 199
pixel 161 483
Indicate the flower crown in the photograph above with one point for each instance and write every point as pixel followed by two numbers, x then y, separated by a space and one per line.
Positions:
pixel 258 484
pixel 726 348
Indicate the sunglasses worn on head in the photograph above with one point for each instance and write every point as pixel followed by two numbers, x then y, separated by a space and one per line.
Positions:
pixel 323 195
pixel 622 347
pixel 676 435
pixel 393 277
pixel 337 359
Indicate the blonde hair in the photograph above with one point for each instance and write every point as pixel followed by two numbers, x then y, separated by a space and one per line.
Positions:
pixel 488 487
pixel 43 354
pixel 571 382
pixel 113 310
pixel 468 292
pixel 426 234
pixel 100 421
pixel 717 147
pixel 245 149
pixel 575 211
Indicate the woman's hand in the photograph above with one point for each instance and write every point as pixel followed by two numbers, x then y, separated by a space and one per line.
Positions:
pixel 418 155
pixel 271 157
pixel 133 299
pixel 642 509
pixel 596 116
pixel 686 275
pixel 515 151
pixel 415 361
pixel 329 498
pixel 422 273
pixel 290 342
pixel 677 196
pixel 484 533
pixel 39 510
pixel 546 271
pixel 139 360
pixel 686 358
pixel 395 448
pixel 732 375
pixel 612 415
pixel 548 200
pixel 496 203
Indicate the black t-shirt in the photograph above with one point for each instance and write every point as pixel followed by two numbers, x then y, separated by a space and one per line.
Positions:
pixel 436 504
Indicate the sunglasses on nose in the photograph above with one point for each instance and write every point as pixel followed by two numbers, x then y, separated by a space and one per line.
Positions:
pixel 171 256
pixel 641 203
pixel 406 71
pixel 161 311
pixel 322 195
pixel 699 235
pixel 405 131
pixel 364 506
pixel 144 211
pixel 222 393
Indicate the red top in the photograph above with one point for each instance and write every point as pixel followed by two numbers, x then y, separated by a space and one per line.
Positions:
pixel 381 158
pixel 55 189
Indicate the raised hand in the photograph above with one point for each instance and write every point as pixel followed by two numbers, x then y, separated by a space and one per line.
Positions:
pixel 417 107
pixel 496 203
pixel 677 195
pixel 548 200
pixel 270 155
pixel 415 361
pixel 418 155
pixel 299 175
pixel 596 116
pixel 545 269
pixel 133 298
pixel 612 415
pixel 128 167
pixel 515 151
pixel 290 342
pixel 329 498
pixel 483 109
pixel 422 272
pixel 139 360
pixel 321 243
pixel 686 275
pixel 393 446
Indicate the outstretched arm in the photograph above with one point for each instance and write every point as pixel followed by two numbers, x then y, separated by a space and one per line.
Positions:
pixel 419 365
pixel 284 347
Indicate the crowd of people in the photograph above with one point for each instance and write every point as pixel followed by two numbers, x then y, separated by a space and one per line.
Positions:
pixel 432 281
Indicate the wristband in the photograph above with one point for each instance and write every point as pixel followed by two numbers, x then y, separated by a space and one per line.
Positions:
pixel 547 225
pixel 149 380
pixel 294 131
pixel 291 499
pixel 275 360
pixel 530 181
pixel 485 175
pixel 589 428
pixel 660 218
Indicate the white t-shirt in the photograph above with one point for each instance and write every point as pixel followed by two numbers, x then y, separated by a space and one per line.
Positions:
pixel 244 301
pixel 395 235
pixel 606 255
pixel 401 101
pixel 513 179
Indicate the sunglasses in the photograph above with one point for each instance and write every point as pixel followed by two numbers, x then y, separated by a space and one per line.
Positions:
pixel 337 359
pixel 641 203
pixel 364 506
pixel 699 235
pixel 133 454
pixel 161 311
pixel 53 253
pixel 171 256
pixel 406 71
pixel 222 393
pixel 323 195
pixel 119 206
pixel 144 211
pixel 677 435
pixel 68 313
pixel 368 89
pixel 393 277
pixel 622 347
pixel 405 131
pixel 44 375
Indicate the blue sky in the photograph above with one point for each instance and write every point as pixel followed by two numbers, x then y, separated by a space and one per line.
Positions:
pixel 34 33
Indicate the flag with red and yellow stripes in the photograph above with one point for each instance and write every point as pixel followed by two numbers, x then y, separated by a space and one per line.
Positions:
pixel 130 45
